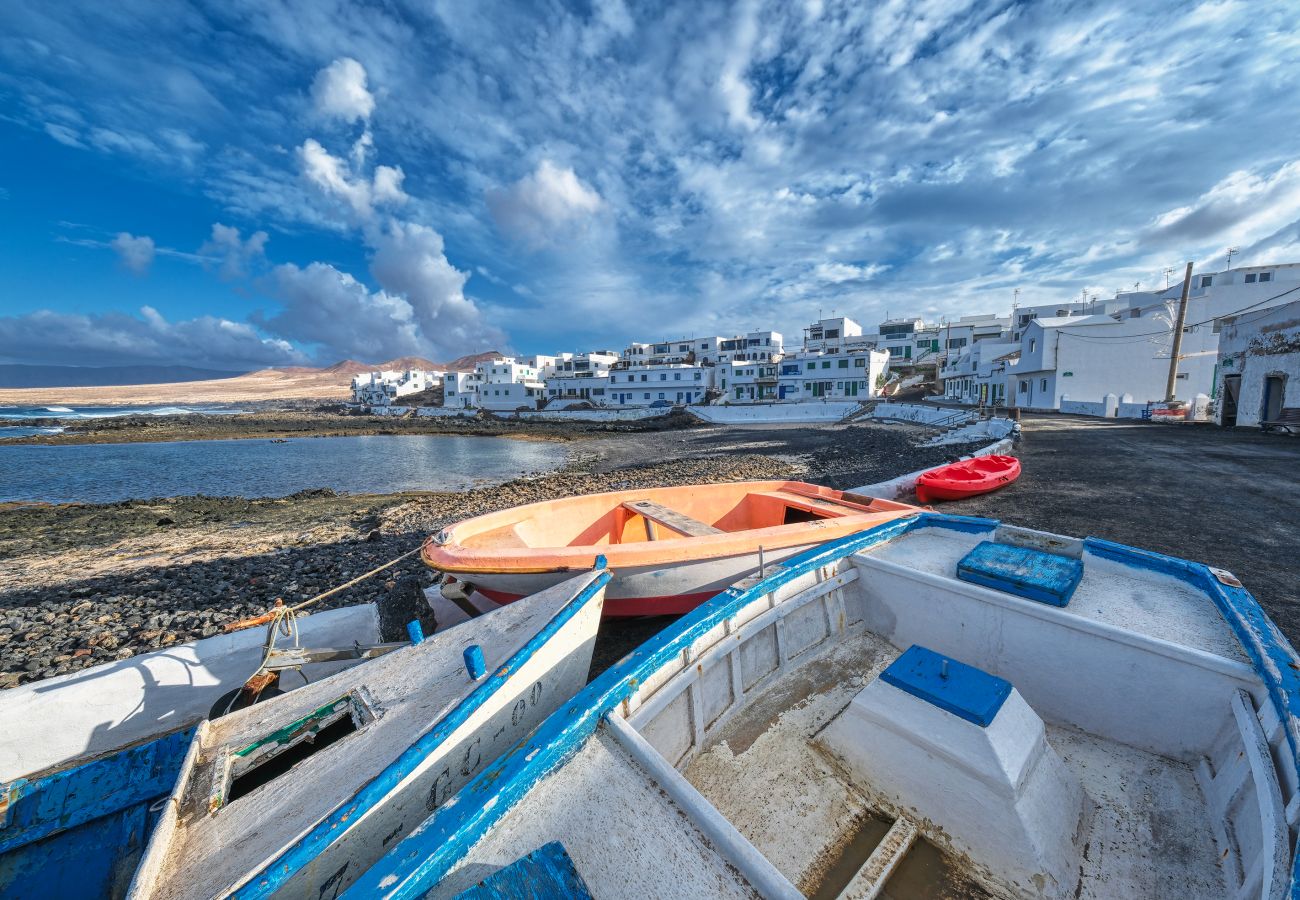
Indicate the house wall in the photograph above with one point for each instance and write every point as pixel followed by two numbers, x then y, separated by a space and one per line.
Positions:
pixel 1256 346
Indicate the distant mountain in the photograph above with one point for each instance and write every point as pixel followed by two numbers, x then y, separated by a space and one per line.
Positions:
pixel 24 376
pixel 467 363
pixel 402 363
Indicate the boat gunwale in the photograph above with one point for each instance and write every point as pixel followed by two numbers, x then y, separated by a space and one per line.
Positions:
pixel 420 861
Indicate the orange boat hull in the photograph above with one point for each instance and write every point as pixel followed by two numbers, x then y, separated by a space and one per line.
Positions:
pixel 656 569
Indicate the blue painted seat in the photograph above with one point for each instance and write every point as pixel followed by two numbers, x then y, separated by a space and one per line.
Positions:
pixel 965 691
pixel 1032 574
pixel 546 873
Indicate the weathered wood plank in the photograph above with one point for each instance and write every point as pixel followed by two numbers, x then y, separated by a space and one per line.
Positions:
pixel 671 518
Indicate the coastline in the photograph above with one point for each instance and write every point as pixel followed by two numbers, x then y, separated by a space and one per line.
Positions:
pixel 91 583
pixel 322 421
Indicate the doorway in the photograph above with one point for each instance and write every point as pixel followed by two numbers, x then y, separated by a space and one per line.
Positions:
pixel 1274 393
pixel 1231 391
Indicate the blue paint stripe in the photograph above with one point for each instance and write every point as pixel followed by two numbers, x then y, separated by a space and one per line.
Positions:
pixel 1270 653
pixel 69 798
pixel 301 854
pixel 419 861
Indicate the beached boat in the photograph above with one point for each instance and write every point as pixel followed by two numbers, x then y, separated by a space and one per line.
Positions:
pixel 940 706
pixel 85 756
pixel 967 478
pixel 669 549
pixel 298 795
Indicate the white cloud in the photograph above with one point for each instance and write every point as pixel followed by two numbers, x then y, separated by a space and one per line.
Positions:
pixel 107 339
pixel 339 91
pixel 136 253
pixel 549 200
pixel 842 273
pixel 359 192
pixel 235 253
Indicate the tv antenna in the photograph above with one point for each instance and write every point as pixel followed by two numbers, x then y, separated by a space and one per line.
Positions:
pixel 1169 270
pixel 1232 251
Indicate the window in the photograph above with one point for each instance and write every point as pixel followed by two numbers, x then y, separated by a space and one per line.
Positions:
pixel 811 366
pixel 661 395
pixel 860 362
pixel 1024 387
pixel 826 364
pixel 1135 313
pixel 1250 279
pixel 1265 276
pixel 1032 344
pixel 647 396
pixel 645 378
pixel 1042 384
pixel 843 364
pixel 697 376
pixel 663 376
pixel 1207 280
pixel 832 333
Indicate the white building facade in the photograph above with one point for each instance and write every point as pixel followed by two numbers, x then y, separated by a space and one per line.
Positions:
pixel 1258 372
pixel 813 375
pixel 660 385
pixel 381 388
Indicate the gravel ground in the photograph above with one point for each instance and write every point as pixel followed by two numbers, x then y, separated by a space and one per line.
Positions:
pixel 85 584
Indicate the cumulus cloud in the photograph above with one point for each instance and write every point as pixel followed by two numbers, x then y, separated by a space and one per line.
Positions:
pixel 358 192
pixel 136 253
pixel 544 203
pixel 339 91
pixel 419 309
pixel 233 253
pixel 115 338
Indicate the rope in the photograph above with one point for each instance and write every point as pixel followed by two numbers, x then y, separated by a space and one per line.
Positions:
pixel 274 615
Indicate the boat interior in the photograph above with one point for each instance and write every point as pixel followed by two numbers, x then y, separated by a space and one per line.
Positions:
pixel 624 517
pixel 958 709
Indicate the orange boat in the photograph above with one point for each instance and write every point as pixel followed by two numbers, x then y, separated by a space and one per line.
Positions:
pixel 669 549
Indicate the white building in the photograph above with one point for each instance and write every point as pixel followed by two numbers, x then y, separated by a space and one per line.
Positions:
pixel 710 350
pixel 813 375
pixel 460 390
pixel 667 384
pixel 578 377
pixel 748 382
pixel 1126 350
pixel 1258 365
pixel 381 388
pixel 899 337
pixel 978 373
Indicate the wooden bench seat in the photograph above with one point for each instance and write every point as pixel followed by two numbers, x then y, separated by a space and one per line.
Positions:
pixel 1288 418
pixel 670 518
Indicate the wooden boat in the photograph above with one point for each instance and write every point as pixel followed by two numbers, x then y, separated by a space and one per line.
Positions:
pixel 298 795
pixel 85 756
pixel 668 549
pixel 967 478
pixel 939 706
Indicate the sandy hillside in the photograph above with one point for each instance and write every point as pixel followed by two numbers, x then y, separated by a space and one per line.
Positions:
pixel 267 384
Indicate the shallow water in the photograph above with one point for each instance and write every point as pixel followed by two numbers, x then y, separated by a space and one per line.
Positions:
pixel 104 473
pixel 105 412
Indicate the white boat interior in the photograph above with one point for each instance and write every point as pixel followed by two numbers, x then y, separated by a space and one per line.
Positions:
pixel 937 707
pixel 299 794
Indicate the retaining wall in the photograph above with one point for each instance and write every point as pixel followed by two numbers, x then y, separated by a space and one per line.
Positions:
pixel 921 415
pixel 775 413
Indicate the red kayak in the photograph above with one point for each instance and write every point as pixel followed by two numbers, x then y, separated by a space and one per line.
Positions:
pixel 967 478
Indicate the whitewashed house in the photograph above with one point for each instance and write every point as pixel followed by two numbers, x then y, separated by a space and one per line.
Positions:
pixel 508 383
pixel 844 375
pixel 1258 366
pixel 580 377
pixel 381 388
pixel 666 384
pixel 460 390
pixel 1125 351
pixel 748 381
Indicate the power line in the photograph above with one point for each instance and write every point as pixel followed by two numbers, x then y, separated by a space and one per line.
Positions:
pixel 1169 330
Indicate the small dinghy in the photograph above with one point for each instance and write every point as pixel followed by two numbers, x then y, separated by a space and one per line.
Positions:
pixel 85 756
pixel 967 478
pixel 299 795
pixel 940 706
pixel 669 549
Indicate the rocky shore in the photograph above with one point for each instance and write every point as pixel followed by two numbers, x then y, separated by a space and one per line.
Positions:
pixel 86 584
pixel 328 420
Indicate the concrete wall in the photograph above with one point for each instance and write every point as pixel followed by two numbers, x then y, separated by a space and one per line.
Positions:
pixel 444 412
pixel 774 413
pixel 922 415
pixel 587 415
pixel 1256 346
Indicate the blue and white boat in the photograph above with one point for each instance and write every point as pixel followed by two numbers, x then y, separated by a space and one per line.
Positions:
pixel 937 705
pixel 299 795
pixel 85 757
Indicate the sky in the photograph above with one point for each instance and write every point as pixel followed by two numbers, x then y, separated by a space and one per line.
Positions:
pixel 258 182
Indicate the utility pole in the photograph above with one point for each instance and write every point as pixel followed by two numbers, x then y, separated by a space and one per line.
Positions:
pixel 1178 336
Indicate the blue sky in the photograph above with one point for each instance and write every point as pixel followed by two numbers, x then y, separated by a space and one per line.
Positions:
pixel 266 183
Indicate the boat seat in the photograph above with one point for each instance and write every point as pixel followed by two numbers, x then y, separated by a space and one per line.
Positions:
pixel 819 505
pixel 671 518
pixel 1025 572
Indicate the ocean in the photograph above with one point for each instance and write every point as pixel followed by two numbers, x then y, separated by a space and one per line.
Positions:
pixel 10 413
pixel 106 473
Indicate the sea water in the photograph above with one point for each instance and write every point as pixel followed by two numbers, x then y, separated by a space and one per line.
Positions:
pixel 257 467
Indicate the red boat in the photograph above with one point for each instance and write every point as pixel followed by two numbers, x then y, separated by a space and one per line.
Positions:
pixel 967 478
